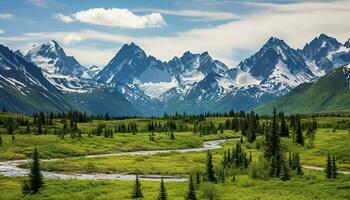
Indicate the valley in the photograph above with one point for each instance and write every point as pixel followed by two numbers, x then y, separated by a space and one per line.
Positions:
pixel 173 147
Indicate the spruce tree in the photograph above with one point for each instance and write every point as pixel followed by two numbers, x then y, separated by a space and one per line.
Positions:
pixel 334 168
pixel 191 193
pixel 298 165
pixel 210 168
pixel 284 132
pixel 162 193
pixel 299 133
pixel 272 139
pixel 137 192
pixel 35 176
pixel 328 169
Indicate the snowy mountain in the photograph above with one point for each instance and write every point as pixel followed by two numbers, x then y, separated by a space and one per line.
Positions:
pixel 134 83
pixel 325 53
pixel 23 88
pixel 275 67
pixel 61 70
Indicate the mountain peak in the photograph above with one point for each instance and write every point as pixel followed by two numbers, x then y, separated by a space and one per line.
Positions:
pixel 274 41
pixel 347 43
pixel 129 50
pixel 51 58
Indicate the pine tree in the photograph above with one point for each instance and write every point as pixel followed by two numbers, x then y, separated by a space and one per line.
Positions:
pixel 191 193
pixel 162 193
pixel 35 176
pixel 298 165
pixel 328 169
pixel 210 168
pixel 137 192
pixel 334 168
pixel 299 134
pixel 272 139
pixel 172 136
pixel 284 132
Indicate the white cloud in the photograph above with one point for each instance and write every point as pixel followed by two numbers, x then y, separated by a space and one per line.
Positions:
pixel 63 18
pixel 38 3
pixel 295 23
pixel 200 15
pixel 6 16
pixel 2 31
pixel 116 17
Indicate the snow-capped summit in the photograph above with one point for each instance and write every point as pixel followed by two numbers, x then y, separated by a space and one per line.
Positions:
pixel 52 59
pixel 61 70
pixel 191 68
pixel 131 63
pixel 324 53
pixel 275 66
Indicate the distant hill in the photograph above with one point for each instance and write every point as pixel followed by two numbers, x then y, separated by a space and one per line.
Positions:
pixel 330 93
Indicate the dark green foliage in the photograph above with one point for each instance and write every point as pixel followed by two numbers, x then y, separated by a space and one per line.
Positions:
pixel 334 168
pixel 137 191
pixel 299 138
pixel 162 191
pixel 285 172
pixel 172 135
pixel 35 176
pixel 284 132
pixel 328 169
pixel 331 168
pixel 236 158
pixel 25 187
pixel 191 193
pixel 210 168
pixel 272 139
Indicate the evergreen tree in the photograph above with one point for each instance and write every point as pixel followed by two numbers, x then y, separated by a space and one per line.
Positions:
pixel 328 169
pixel 35 176
pixel 172 136
pixel 191 193
pixel 272 139
pixel 162 193
pixel 210 168
pixel 299 133
pixel 334 168
pixel 298 165
pixel 137 192
pixel 284 132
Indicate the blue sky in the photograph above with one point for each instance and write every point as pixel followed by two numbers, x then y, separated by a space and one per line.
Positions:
pixel 230 30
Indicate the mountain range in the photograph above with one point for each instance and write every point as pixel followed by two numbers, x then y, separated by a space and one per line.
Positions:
pixel 134 83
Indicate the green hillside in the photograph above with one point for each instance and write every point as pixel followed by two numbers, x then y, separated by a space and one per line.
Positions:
pixel 330 93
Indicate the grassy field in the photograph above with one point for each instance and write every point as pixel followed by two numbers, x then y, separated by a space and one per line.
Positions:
pixel 51 146
pixel 311 186
pixel 336 143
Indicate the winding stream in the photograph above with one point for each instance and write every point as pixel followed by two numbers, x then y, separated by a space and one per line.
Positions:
pixel 10 168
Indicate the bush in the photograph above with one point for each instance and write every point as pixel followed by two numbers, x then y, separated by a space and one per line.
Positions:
pixel 209 191
pixel 259 170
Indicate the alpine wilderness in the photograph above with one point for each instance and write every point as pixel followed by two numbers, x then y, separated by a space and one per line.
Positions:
pixel 196 99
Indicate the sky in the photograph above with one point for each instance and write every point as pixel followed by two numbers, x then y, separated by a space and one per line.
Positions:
pixel 230 30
